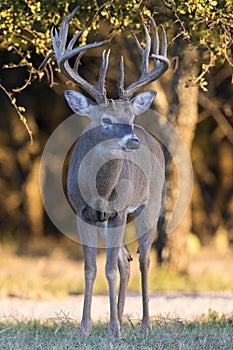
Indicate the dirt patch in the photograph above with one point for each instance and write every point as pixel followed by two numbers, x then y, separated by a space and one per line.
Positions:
pixel 183 306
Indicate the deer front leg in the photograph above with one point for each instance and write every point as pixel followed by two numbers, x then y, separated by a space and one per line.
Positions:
pixel 88 235
pixel 90 274
pixel 111 274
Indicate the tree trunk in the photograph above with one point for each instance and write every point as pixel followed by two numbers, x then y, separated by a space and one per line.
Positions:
pixel 183 114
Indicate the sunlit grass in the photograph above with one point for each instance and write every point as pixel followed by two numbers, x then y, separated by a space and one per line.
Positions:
pixel 210 332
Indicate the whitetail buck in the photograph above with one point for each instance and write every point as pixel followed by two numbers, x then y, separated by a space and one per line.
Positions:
pixel 119 147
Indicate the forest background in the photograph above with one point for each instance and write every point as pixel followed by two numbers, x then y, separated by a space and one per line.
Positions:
pixel 195 95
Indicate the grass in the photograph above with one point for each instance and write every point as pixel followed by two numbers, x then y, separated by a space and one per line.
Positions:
pixel 56 271
pixel 209 332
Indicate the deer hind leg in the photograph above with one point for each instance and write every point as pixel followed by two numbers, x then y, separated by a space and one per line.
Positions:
pixel 145 241
pixel 87 233
pixel 124 259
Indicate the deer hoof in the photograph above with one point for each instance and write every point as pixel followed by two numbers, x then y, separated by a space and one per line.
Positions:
pixel 146 324
pixel 114 329
pixel 85 329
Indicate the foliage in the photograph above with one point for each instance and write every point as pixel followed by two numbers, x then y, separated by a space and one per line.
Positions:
pixel 208 26
pixel 25 25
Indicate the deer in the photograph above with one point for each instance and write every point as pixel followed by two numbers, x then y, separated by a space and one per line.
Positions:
pixel 122 188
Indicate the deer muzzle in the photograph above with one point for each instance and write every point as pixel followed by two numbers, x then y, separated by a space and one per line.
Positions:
pixel 132 143
pixel 129 141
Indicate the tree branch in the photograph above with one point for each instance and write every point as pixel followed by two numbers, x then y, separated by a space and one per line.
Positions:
pixel 213 108
pixel 17 108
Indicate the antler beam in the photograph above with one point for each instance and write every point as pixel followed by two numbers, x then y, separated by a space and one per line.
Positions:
pixel 65 52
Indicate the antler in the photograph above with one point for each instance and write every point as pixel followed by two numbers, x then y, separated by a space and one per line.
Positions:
pixel 63 54
pixel 161 62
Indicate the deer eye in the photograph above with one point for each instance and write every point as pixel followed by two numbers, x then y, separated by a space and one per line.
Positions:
pixel 107 121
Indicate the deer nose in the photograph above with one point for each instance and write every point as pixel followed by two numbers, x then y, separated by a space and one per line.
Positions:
pixel 132 143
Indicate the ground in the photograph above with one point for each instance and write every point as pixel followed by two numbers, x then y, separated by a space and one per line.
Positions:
pixel 49 286
pixel 177 306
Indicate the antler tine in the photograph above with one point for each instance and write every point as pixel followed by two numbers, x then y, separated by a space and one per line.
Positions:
pixel 140 49
pixel 121 79
pixel 146 53
pixel 74 39
pixel 103 70
pixel 155 36
pixel 78 60
pixel 161 62
pixel 65 28
pixel 164 42
pixel 158 59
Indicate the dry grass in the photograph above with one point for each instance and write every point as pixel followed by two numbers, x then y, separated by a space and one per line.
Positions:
pixel 208 333
pixel 57 272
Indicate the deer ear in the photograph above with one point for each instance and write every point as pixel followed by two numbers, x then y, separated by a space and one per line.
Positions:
pixel 78 102
pixel 142 101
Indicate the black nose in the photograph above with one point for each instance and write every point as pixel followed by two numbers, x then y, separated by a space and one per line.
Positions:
pixel 133 143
